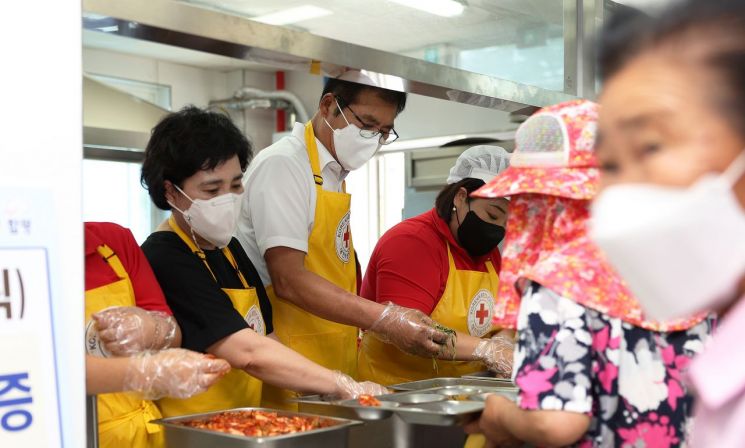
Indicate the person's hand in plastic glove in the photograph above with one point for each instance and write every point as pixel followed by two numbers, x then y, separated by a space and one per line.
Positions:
pixel 127 330
pixel 497 354
pixel 411 331
pixel 175 372
pixel 347 388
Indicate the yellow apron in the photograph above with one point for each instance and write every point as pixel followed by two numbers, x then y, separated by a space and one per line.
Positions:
pixel 123 418
pixel 466 305
pixel 330 255
pixel 237 388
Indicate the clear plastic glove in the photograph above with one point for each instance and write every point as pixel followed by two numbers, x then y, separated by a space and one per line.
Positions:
pixel 410 330
pixel 496 353
pixel 127 330
pixel 347 388
pixel 175 372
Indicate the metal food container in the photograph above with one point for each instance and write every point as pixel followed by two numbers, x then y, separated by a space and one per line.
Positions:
pixel 418 407
pixel 443 413
pixel 179 436
pixel 410 398
pixel 444 382
pixel 489 376
pixel 451 402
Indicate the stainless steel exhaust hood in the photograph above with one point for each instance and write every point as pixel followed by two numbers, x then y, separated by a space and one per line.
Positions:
pixel 116 125
pixel 188 26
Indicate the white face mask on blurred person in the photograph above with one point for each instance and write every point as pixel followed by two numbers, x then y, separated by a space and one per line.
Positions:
pixel 214 219
pixel 352 149
pixel 680 250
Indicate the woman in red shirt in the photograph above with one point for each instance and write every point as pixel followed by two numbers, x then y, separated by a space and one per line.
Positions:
pixel 128 340
pixel 444 263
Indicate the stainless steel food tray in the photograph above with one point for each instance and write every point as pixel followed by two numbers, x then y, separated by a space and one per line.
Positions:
pixel 487 375
pixel 442 382
pixel 449 405
pixel 178 436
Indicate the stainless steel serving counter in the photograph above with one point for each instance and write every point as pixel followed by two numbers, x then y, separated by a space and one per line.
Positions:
pixel 425 413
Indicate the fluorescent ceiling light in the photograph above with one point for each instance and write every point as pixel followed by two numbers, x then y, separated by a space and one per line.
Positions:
pixel 292 15
pixel 444 8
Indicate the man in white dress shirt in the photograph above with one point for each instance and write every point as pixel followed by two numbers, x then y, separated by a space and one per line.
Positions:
pixel 295 228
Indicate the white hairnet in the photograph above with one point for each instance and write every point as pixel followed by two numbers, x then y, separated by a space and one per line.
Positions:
pixel 480 162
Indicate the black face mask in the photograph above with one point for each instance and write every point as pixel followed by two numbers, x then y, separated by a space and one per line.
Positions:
pixel 477 236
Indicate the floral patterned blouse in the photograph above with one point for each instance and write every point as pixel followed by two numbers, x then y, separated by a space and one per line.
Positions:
pixel 572 358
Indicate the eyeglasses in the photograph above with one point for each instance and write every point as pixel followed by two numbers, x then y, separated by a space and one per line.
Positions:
pixel 369 131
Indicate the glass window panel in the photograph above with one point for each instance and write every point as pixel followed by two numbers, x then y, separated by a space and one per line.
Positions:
pixel 112 193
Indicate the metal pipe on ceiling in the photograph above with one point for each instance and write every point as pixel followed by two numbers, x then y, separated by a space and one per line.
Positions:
pixel 283 95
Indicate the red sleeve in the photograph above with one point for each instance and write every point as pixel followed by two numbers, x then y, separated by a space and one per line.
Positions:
pixel 409 272
pixel 148 294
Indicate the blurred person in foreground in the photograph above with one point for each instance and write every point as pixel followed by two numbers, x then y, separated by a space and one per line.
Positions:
pixel 671 214
pixel 591 369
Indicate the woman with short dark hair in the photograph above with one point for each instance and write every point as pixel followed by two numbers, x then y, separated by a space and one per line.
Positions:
pixel 194 165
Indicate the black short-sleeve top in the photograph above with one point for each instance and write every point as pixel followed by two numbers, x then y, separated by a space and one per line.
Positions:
pixel 203 311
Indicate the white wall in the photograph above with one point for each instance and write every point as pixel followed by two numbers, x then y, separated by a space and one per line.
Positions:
pixel 189 85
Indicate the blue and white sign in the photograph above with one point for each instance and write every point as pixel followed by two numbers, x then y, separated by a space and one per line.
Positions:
pixel 42 369
pixel 29 389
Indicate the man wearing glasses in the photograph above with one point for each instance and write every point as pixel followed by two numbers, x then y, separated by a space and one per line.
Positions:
pixel 295 228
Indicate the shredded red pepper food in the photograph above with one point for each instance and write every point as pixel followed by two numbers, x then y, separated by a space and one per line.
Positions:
pixel 368 400
pixel 258 423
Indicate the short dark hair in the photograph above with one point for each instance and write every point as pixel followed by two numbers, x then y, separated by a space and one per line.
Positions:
pixel 718 26
pixel 188 141
pixel 446 197
pixel 349 91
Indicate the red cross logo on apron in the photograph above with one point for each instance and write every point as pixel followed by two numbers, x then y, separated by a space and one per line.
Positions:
pixel 482 313
pixel 346 237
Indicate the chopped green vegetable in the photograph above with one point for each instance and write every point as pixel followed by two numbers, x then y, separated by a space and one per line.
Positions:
pixel 448 347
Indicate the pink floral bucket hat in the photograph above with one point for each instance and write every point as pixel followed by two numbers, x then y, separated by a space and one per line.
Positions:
pixel 553 155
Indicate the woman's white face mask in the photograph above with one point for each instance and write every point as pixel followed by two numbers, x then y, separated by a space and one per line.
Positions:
pixel 352 149
pixel 680 250
pixel 214 219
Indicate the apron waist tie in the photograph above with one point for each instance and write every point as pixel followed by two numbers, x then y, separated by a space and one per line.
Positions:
pixel 147 411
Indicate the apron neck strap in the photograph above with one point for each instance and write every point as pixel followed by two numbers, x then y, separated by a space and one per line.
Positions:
pixel 312 148
pixel 190 243
pixel 200 253
pixel 315 164
pixel 451 261
pixel 229 255
pixel 110 257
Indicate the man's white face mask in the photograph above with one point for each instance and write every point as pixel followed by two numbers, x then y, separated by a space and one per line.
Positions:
pixel 352 149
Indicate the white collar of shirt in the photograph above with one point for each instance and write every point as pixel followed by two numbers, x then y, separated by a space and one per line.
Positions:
pixel 325 159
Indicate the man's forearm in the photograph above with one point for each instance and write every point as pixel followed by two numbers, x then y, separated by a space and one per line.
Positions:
pixel 319 296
